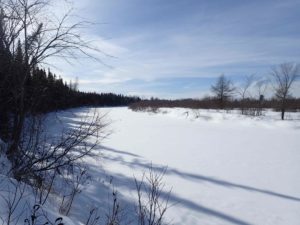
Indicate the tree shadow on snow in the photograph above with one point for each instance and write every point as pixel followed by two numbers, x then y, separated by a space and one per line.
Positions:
pixel 99 196
pixel 138 163
pixel 123 182
pixel 197 177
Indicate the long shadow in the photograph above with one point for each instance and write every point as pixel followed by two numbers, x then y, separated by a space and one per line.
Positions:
pixel 122 181
pixel 230 184
pixel 185 175
pixel 128 182
pixel 118 151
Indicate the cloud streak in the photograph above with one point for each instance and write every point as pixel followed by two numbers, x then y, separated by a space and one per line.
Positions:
pixel 156 40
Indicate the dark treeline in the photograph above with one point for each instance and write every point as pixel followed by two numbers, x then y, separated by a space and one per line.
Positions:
pixel 251 94
pixel 51 93
pixel 44 91
pixel 293 104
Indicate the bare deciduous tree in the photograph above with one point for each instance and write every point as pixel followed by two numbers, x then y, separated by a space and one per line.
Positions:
pixel 152 207
pixel 243 91
pixel 38 156
pixel 78 179
pixel 46 162
pixel 12 193
pixel 283 77
pixel 26 27
pixel 223 89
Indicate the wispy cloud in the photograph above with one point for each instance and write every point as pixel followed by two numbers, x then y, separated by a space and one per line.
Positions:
pixel 156 40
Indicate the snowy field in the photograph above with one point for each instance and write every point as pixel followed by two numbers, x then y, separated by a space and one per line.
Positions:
pixel 223 168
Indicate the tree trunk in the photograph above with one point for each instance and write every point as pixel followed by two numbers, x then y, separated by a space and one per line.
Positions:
pixel 283 106
pixel 282 113
pixel 13 151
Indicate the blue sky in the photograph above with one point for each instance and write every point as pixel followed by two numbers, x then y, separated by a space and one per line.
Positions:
pixel 177 48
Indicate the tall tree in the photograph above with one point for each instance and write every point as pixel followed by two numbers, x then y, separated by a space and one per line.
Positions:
pixel 26 28
pixel 283 77
pixel 223 89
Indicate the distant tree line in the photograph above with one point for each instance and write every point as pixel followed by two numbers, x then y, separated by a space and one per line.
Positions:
pixel 45 91
pixel 293 104
pixel 50 93
pixel 249 96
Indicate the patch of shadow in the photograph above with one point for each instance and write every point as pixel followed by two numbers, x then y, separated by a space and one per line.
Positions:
pixel 124 182
pixel 170 171
pixel 207 118
pixel 102 147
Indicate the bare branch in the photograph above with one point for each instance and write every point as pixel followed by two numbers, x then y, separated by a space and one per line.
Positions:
pixel 283 78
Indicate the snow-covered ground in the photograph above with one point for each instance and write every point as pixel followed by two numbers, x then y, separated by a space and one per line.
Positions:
pixel 223 168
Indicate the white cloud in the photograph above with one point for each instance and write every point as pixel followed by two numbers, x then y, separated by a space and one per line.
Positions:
pixel 243 39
